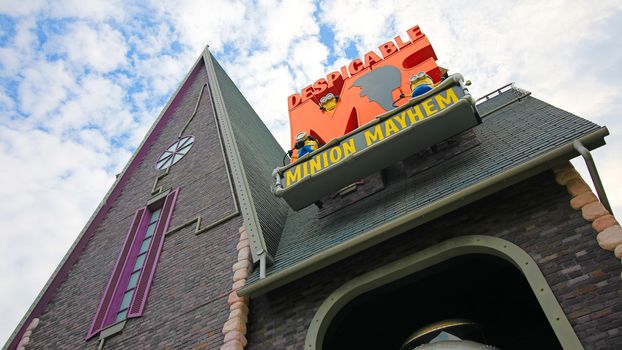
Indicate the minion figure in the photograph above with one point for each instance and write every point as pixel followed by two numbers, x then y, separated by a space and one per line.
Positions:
pixel 328 103
pixel 305 144
pixel 420 84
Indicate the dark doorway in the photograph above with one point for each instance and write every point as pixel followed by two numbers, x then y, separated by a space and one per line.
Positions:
pixel 479 287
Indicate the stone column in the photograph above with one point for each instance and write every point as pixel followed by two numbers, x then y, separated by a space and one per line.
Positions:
pixel 234 329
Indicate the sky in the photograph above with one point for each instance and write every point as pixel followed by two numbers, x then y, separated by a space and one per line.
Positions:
pixel 82 81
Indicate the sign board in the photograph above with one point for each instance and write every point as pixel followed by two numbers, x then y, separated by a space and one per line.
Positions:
pixel 443 112
pixel 367 87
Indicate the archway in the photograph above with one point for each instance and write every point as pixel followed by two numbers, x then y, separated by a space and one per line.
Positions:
pixel 486 279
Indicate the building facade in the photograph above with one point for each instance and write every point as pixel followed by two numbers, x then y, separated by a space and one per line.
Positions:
pixel 190 249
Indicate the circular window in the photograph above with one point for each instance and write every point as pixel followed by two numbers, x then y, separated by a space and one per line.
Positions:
pixel 175 152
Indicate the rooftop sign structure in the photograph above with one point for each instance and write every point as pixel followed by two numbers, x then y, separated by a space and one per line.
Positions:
pixel 364 89
pixel 369 115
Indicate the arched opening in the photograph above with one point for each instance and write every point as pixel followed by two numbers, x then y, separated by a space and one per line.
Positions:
pixel 480 287
pixel 484 279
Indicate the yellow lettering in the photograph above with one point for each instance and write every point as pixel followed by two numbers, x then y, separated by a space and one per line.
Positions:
pixel 315 164
pixel 292 176
pixel 429 107
pixel 390 128
pixel 401 119
pixel 414 114
pixel 305 169
pixel 335 154
pixel 376 136
pixel 348 147
pixel 325 158
pixel 446 101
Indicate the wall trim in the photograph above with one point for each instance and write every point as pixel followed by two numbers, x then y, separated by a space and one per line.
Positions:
pixel 247 204
pixel 474 244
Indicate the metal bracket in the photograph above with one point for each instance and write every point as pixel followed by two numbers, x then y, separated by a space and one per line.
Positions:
pixel 591 167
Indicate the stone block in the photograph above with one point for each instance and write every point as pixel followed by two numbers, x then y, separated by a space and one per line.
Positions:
pixel 243 235
pixel 618 251
pixel 238 284
pixel 566 175
pixel 232 345
pixel 610 238
pixel 242 243
pixel 241 274
pixel 581 200
pixel 234 324
pixel 234 298
pixel 235 335
pixel 593 211
pixel 577 186
pixel 241 313
pixel 244 253
pixel 24 341
pixel 33 324
pixel 604 222
pixel 238 305
pixel 242 265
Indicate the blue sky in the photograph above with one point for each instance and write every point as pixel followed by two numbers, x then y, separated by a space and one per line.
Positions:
pixel 82 81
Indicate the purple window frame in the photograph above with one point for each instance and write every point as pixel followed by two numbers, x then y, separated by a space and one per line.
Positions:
pixel 112 298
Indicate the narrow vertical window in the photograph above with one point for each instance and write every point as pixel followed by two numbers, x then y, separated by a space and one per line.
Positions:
pixel 144 239
pixel 128 286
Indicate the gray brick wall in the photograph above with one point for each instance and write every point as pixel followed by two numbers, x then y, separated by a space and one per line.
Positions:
pixel 187 304
pixel 535 215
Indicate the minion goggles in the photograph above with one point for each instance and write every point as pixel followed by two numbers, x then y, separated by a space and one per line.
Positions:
pixel 325 98
pixel 417 77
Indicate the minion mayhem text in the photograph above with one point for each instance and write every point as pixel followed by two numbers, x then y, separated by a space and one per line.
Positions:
pixel 375 133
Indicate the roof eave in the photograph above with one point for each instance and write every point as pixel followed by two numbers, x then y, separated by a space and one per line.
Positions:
pixel 430 212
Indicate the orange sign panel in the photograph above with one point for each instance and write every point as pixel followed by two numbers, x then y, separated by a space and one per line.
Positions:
pixel 366 88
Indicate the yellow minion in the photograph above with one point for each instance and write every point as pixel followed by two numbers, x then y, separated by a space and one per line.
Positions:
pixel 420 84
pixel 328 102
pixel 305 144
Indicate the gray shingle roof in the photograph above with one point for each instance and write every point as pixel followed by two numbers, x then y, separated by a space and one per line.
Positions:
pixel 509 137
pixel 260 153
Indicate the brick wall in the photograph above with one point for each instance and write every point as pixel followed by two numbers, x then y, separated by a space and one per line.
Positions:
pixel 534 215
pixel 187 304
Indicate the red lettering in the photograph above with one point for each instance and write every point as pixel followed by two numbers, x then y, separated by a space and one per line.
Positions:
pixel 356 67
pixel 335 82
pixel 371 58
pixel 307 93
pixel 387 49
pixel 400 43
pixel 414 33
pixel 319 87
pixel 344 72
pixel 293 101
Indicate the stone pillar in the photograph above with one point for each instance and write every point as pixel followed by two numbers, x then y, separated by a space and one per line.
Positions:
pixel 234 329
pixel 609 235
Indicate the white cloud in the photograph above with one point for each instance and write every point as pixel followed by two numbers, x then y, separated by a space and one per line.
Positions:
pixel 201 22
pixel 97 102
pixel 99 47
pixel 21 8
pixel 101 71
pixel 364 23
pixel 92 9
pixel 20 50
pixel 44 88
pixel 45 171
pixel 164 71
